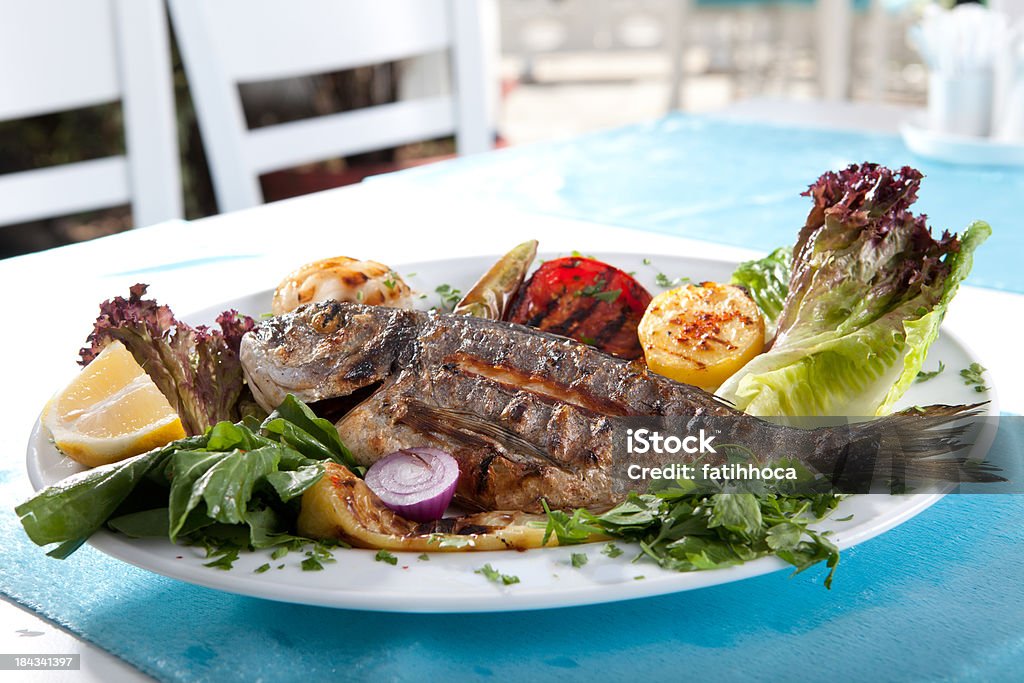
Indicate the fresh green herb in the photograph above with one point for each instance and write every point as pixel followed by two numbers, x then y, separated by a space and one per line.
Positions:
pixel 449 297
pixel 647 261
pixel 390 281
pixel 385 556
pixel 312 564
pixel 686 532
pixel 597 291
pixel 609 296
pixel 588 340
pixel 225 559
pixel 611 550
pixel 494 575
pixel 444 541
pixel 579 559
pixel 639 578
pixel 229 489
pixel 264 316
pixel 924 376
pixel 280 566
pixel 359 296
pixel 664 281
pixel 410 274
pixel 972 375
pixel 424 558
pixel 766 280
pixel 262 568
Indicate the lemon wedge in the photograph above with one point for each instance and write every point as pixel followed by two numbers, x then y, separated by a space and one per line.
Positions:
pixel 112 410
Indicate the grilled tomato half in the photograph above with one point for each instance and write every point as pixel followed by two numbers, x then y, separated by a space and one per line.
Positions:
pixel 585 299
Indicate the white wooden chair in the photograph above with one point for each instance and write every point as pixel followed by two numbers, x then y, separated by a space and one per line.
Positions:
pixel 227 42
pixel 59 55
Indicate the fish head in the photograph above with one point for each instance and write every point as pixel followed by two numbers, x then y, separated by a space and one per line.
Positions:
pixel 323 351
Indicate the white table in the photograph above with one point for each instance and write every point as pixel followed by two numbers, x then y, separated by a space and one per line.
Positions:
pixel 370 221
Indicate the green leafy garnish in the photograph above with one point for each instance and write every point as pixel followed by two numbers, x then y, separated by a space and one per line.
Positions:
pixel 231 488
pixel 665 281
pixel 385 556
pixel 449 297
pixel 924 376
pixel 972 375
pixel 579 559
pixel 225 559
pixel 423 557
pixel 682 531
pixel 611 550
pixel 262 568
pixel 766 280
pixel 494 575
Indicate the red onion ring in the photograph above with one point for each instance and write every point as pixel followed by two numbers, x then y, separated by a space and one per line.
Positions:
pixel 417 483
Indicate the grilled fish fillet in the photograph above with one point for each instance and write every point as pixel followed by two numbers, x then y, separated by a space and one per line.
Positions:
pixel 529 416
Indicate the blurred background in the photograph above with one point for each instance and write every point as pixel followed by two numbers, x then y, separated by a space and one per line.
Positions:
pixel 554 68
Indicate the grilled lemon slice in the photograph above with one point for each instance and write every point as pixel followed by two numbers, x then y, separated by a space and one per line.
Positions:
pixel 110 411
pixel 701 334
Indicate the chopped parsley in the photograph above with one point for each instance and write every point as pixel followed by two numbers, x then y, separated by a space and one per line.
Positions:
pixel 682 531
pixel 611 550
pixel 424 558
pixel 449 297
pixel 495 576
pixel 925 376
pixel 225 558
pixel 391 280
pixel 579 559
pixel 663 280
pixel 609 296
pixel 972 375
pixel 316 558
pixel 385 556
pixel 262 568
pixel 312 564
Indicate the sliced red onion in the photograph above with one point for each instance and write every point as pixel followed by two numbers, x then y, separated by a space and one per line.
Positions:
pixel 417 483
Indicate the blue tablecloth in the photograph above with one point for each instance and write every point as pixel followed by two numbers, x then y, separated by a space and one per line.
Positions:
pixel 940 597
pixel 728 182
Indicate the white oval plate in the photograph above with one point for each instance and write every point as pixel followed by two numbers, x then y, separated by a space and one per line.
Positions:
pixel 447 582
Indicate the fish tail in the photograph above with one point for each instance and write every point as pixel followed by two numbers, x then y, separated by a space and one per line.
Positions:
pixel 913 447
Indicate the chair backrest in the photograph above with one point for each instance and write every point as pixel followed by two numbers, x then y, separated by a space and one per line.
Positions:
pixel 228 42
pixel 58 55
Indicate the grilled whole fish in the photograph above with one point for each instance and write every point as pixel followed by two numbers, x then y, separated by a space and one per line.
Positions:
pixel 529 416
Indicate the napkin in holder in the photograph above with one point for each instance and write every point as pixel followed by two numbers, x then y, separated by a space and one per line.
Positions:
pixel 960 48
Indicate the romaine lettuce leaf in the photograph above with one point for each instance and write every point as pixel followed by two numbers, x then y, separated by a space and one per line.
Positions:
pixel 868 290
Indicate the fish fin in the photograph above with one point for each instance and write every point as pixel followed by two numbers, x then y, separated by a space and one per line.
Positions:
pixel 918 444
pixel 473 429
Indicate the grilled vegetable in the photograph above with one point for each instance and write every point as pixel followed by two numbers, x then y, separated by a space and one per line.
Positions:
pixel 341 506
pixel 701 334
pixel 491 295
pixel 585 299
pixel 343 279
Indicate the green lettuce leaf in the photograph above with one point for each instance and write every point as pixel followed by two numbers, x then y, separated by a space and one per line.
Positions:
pixel 868 290
pixel 767 282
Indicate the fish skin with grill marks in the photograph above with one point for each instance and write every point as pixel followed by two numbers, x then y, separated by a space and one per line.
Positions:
pixel 528 415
